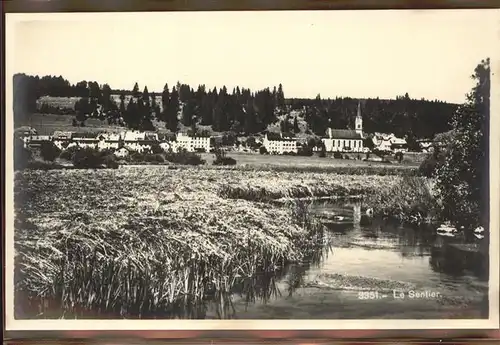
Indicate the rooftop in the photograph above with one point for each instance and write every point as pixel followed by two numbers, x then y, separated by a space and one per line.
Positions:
pixel 344 134
pixel 273 136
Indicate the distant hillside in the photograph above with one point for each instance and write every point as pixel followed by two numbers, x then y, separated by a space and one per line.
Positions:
pixel 243 111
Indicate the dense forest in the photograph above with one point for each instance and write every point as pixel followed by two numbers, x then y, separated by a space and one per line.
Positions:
pixel 240 110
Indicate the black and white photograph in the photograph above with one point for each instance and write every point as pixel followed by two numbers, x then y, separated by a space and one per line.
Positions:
pixel 328 169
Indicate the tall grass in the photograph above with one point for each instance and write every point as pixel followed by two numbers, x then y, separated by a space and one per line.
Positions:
pixel 375 170
pixel 409 201
pixel 163 260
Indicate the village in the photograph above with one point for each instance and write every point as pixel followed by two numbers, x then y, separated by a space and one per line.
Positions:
pixel 335 141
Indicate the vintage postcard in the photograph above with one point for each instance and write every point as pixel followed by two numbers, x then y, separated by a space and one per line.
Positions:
pixel 218 170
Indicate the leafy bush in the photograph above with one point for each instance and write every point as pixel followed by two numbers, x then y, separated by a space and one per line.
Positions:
pixel 225 161
pixel 22 155
pixel 49 151
pixel 184 157
pixel 429 165
pixel 107 152
pixel 154 158
pixel 305 151
pixel 399 156
pixel 156 149
pixel 87 158
pixel 263 150
pixel 338 155
pixel 110 162
pixel 42 165
pixel 136 157
pixel 68 153
pixel 159 158
pixel 222 159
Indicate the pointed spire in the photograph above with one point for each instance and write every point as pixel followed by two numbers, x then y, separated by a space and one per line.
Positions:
pixel 359 108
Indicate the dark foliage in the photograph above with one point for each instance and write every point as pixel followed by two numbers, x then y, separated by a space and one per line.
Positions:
pixel 86 158
pixel 22 155
pixel 49 151
pixel 463 178
pixel 69 153
pixel 399 156
pixel 222 159
pixel 184 157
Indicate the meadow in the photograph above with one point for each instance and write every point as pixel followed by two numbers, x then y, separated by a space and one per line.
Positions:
pixel 47 124
pixel 138 241
pixel 69 102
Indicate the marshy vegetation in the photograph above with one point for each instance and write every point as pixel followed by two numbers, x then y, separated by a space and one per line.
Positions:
pixel 411 200
pixel 92 245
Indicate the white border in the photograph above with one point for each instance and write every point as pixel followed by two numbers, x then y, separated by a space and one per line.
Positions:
pixel 23 325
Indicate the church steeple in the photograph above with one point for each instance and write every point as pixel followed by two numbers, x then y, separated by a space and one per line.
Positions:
pixel 359 121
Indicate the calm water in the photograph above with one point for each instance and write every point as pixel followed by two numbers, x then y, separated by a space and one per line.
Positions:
pixel 379 257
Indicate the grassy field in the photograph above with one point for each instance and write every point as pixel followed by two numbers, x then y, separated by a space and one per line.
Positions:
pixel 69 102
pixel 148 239
pixel 47 124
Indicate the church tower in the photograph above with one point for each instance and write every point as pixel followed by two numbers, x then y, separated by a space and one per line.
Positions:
pixel 358 125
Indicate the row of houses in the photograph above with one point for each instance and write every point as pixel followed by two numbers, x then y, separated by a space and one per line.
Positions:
pixel 342 140
pixel 136 141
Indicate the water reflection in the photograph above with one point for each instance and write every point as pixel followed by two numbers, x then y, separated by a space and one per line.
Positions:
pixel 385 237
pixel 376 248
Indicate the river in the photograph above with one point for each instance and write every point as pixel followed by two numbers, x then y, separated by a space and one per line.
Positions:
pixel 373 270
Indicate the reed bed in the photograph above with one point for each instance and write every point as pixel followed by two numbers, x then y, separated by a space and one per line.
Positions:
pixel 411 200
pixel 307 185
pixel 355 169
pixel 142 243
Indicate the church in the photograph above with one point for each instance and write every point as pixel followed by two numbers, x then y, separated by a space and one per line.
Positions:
pixel 346 140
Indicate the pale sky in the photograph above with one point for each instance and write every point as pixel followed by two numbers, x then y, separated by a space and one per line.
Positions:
pixel 357 54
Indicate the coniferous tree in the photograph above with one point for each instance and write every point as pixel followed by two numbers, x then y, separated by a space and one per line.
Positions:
pixel 165 100
pixel 146 97
pixel 188 113
pixel 135 90
pixel 133 118
pixel 296 128
pixel 107 102
pixel 280 97
pixel 172 120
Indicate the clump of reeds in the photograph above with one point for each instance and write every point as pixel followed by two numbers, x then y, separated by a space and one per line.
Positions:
pixel 272 192
pixel 157 261
pixel 376 170
pixel 409 201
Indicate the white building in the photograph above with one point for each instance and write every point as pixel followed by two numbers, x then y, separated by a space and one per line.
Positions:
pixel 121 152
pixel 165 146
pixel 279 143
pixel 192 143
pixel 62 139
pixel 389 142
pixel 109 141
pixel 346 140
pixel 139 141
pixel 84 140
pixel 36 140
